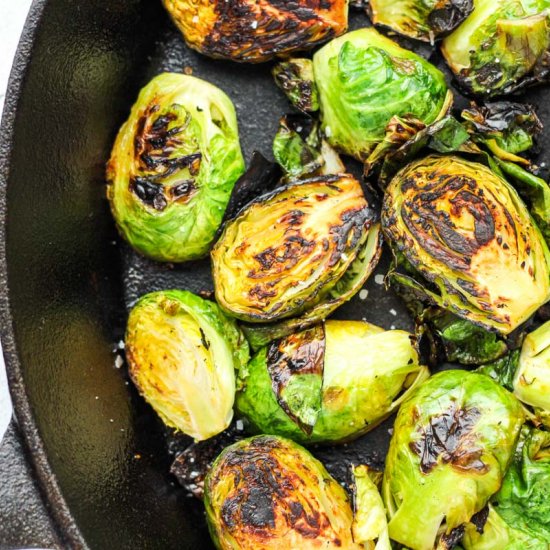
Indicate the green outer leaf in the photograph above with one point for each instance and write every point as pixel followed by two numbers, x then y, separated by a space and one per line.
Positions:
pixel 295 78
pixel 502 370
pixel 364 79
pixel 182 353
pixel 485 421
pixel 367 373
pixel 520 516
pixel 182 230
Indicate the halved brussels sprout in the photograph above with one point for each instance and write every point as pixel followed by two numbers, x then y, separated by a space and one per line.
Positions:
pixel 364 79
pixel 256 31
pixel 420 19
pixel 330 383
pixel 501 47
pixel 467 233
pixel 532 378
pixel 182 354
pixel 452 442
pixel 287 251
pixel 519 514
pixel 173 167
pixel 268 492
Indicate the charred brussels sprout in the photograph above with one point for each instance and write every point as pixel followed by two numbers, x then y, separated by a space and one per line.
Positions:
pixel 289 251
pixel 519 514
pixel 329 383
pixel 257 30
pixel 173 167
pixel 501 47
pixel 267 492
pixel 532 378
pixel 465 231
pixel 420 19
pixel 364 79
pixel 452 442
pixel 182 353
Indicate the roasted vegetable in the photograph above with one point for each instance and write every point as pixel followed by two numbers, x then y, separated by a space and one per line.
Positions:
pixel 532 378
pixel 289 252
pixel 268 492
pixel 519 514
pixel 470 240
pixel 364 79
pixel 295 78
pixel 501 47
pixel 301 151
pixel 182 353
pixel 173 166
pixel 329 383
pixel 255 31
pixel 505 128
pixel 420 19
pixel 452 442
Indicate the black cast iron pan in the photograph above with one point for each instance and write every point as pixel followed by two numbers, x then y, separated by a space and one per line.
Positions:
pixel 66 280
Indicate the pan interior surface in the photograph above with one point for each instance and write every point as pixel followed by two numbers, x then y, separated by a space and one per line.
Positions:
pixel 71 280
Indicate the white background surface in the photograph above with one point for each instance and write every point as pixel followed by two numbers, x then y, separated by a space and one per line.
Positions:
pixel 12 18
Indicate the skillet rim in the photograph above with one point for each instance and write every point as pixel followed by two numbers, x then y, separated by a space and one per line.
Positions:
pixel 65 528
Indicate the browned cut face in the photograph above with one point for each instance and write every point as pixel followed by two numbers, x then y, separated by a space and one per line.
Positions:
pixel 272 497
pixel 299 355
pixel 257 30
pixel 158 157
pixel 449 439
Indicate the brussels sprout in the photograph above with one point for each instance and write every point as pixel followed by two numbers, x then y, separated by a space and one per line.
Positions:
pixel 532 378
pixel 268 492
pixel 505 128
pixel 295 78
pixel 420 19
pixel 173 166
pixel 288 250
pixel 501 47
pixel 452 442
pixel 519 516
pixel 462 227
pixel 182 353
pixel 301 151
pixel 364 79
pixel 252 31
pixel 369 521
pixel 329 383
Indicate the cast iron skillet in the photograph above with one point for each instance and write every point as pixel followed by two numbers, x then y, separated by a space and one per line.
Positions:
pixel 66 280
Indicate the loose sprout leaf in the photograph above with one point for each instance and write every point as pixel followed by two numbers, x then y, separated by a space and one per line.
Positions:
pixel 502 370
pixel 461 227
pixel 295 78
pixel 452 442
pixel 182 353
pixel 501 47
pixel 364 79
pixel 370 527
pixel 519 514
pixel 421 19
pixel 268 492
pixel 173 167
pixel 504 127
pixel 253 32
pixel 367 373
